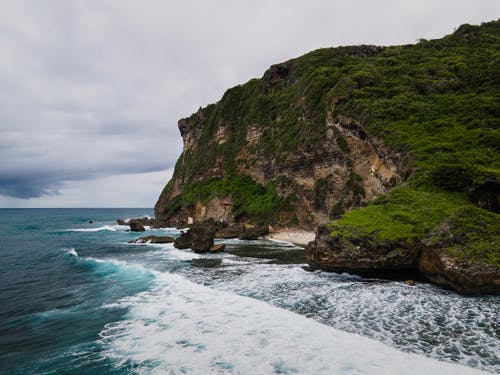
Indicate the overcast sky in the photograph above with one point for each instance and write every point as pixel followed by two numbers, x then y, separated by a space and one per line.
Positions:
pixel 91 91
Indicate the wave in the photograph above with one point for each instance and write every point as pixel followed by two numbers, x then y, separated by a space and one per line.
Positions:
pixel 178 326
pixel 111 228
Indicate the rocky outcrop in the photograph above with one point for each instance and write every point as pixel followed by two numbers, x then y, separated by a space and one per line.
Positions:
pixel 152 239
pixel 199 237
pixel 184 241
pixel 360 255
pixel 136 226
pixel 440 267
pixel 461 254
pixel 203 236
pixel 253 233
pixel 231 231
pixel 144 221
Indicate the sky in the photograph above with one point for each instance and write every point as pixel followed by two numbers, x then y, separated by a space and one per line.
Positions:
pixel 91 91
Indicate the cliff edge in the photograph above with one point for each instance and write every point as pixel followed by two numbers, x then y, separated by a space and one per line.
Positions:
pixel 380 145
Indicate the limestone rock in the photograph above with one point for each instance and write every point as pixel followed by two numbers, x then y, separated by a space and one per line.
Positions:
pixel 465 277
pixel 360 255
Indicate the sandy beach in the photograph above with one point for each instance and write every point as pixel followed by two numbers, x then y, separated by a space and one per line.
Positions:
pixel 297 237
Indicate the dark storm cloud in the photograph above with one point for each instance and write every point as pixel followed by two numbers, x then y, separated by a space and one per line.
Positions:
pixel 90 89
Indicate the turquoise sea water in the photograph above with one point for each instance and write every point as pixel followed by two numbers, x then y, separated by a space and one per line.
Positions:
pixel 75 298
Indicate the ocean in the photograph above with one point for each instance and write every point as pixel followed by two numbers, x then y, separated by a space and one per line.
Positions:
pixel 76 298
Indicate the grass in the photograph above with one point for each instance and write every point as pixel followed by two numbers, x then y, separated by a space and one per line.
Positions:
pixel 402 215
pixel 437 100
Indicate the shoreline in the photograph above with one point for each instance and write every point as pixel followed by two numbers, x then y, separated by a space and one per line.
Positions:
pixel 297 237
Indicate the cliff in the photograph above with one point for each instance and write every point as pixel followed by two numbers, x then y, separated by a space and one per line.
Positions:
pixel 319 136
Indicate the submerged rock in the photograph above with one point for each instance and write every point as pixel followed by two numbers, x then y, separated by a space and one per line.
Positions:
pixel 410 282
pixel 217 248
pixel 153 239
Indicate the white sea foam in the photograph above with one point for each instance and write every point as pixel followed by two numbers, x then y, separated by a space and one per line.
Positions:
pixel 73 252
pixel 421 319
pixel 181 327
pixel 98 229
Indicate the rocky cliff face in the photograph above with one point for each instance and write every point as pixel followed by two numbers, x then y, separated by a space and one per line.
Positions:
pixel 320 166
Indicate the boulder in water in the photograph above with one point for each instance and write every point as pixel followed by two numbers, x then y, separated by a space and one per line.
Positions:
pixel 152 239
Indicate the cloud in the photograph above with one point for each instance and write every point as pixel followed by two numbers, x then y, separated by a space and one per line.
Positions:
pixel 95 88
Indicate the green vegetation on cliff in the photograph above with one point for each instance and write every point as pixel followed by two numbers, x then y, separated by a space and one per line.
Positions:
pixel 437 101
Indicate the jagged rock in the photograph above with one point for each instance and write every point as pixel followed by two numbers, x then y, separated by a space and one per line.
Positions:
pixel 136 226
pixel 253 233
pixel 465 277
pixel 143 221
pixel 231 231
pixel 360 255
pixel 184 241
pixel 203 236
pixel 138 221
pixel 449 258
pixel 153 239
pixel 217 248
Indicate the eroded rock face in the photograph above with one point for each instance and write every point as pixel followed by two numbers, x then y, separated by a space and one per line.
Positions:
pixel 348 167
pixel 203 236
pixel 184 241
pixel 465 277
pixel 360 256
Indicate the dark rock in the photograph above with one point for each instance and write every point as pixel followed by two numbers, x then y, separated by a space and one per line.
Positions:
pixel 440 267
pixel 217 248
pixel 136 227
pixel 360 255
pixel 141 220
pixel 184 241
pixel 487 196
pixel 232 231
pixel 253 233
pixel 203 236
pixel 276 74
pixel 153 239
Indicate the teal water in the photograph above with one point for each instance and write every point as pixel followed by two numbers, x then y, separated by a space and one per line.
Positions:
pixel 76 298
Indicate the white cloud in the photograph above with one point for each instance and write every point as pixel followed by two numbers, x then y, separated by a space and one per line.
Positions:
pixel 123 190
pixel 95 88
